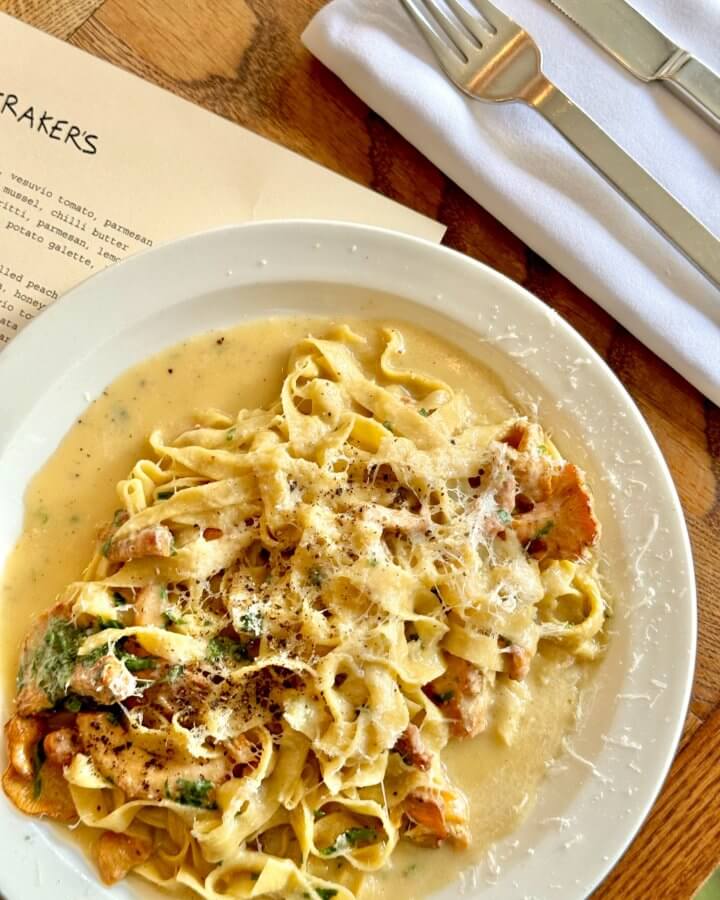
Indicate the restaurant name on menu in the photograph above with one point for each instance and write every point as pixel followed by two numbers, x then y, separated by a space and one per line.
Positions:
pixel 38 119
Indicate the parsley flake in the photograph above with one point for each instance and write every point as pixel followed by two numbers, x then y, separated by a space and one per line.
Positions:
pixel 73 703
pixel 316 576
pixel 138 663
pixel 225 648
pixel 547 527
pixel 349 839
pixel 192 793
pixel 38 760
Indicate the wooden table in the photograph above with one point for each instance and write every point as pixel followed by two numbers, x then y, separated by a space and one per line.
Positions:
pixel 243 59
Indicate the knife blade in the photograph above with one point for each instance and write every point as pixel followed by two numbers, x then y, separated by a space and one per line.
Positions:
pixel 646 52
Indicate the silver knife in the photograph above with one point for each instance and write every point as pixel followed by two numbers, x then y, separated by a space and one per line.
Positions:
pixel 646 52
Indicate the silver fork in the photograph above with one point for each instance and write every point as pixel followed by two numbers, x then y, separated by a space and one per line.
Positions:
pixel 494 59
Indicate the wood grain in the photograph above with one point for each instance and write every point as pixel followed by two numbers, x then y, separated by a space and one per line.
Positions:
pixel 243 60
pixel 58 17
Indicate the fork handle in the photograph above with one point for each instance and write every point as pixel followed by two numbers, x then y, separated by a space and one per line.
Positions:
pixel 659 207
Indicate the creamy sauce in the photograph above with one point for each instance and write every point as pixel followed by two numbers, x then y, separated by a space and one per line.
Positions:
pixel 74 495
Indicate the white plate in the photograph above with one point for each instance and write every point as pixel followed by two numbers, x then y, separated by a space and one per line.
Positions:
pixel 593 802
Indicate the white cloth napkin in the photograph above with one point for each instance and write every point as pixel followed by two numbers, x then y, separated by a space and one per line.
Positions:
pixel 516 166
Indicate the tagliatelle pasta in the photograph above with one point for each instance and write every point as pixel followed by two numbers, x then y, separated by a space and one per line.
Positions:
pixel 293 612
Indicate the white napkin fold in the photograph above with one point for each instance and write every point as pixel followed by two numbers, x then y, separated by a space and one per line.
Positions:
pixel 516 166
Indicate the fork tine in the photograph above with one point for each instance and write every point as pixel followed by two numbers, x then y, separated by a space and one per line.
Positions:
pixel 477 29
pixel 449 60
pixel 490 12
pixel 451 29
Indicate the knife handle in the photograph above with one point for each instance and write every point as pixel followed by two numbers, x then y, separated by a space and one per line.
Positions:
pixel 657 205
pixel 696 85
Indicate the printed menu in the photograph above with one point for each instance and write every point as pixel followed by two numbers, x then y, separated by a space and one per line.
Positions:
pixel 97 164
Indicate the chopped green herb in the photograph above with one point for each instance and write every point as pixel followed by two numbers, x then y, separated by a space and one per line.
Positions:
pixel 173 617
pixel 542 448
pixel 423 412
pixel 251 622
pixel 445 696
pixel 110 623
pixel 38 760
pixel 388 425
pixel 105 549
pixel 163 592
pixel 118 599
pixel 504 516
pixel 164 495
pixel 173 673
pixel 193 793
pixel 53 661
pixel 118 517
pixel 372 561
pixel 89 659
pixel 73 703
pixel 547 527
pixel 222 647
pixel 138 663
pixel 112 717
pixel 350 838
pixel 326 893
pixel 316 576
pixel 319 814
pixel 230 434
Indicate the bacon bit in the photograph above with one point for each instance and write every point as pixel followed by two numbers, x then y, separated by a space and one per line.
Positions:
pixel 106 681
pixel 107 531
pixel 138 772
pixel 412 750
pixel 515 434
pixel 23 735
pixel 60 746
pixel 52 800
pixel 155 540
pixel 212 534
pixel 117 854
pixel 519 659
pixel 149 605
pixel 460 692
pixel 31 699
pixel 426 807
pixel 562 525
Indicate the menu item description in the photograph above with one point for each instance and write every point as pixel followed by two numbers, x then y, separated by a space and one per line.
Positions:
pixel 85 189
